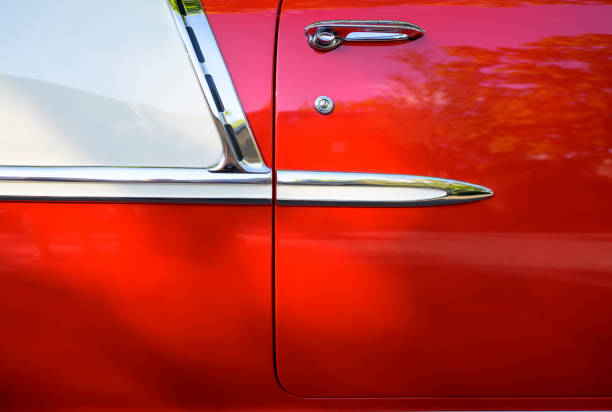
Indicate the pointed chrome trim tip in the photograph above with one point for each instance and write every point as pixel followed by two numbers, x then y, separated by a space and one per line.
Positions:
pixel 311 188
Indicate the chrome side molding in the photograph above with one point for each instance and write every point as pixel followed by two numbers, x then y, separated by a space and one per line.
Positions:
pixel 371 189
pixel 148 184
pixel 103 174
pixel 241 153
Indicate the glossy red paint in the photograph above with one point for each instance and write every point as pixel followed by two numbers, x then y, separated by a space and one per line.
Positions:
pixel 134 306
pixel 507 297
pixel 107 307
pixel 246 34
pixel 143 307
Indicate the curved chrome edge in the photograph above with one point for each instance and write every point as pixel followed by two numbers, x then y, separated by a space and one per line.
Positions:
pixel 148 184
pixel 241 153
pixel 372 189
pixel 368 24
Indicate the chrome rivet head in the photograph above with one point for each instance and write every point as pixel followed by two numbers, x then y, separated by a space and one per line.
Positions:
pixel 325 38
pixel 324 105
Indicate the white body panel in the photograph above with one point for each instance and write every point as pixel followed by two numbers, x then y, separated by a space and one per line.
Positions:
pixel 99 84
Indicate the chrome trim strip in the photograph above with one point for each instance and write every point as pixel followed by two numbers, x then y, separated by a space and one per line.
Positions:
pixel 112 199
pixel 372 189
pixel 241 153
pixel 149 184
pixel 126 175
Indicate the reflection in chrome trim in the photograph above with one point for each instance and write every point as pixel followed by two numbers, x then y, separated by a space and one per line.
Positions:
pixel 372 189
pixel 133 184
pixel 241 153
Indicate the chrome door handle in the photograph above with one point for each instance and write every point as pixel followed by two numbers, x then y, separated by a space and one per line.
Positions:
pixel 327 35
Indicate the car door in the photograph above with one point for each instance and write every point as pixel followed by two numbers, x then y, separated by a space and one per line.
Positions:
pixel 135 208
pixel 397 273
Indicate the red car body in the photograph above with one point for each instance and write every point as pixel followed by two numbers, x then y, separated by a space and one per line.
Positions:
pixel 502 304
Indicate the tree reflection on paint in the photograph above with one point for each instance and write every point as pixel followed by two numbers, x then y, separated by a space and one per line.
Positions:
pixel 531 122
pixel 548 100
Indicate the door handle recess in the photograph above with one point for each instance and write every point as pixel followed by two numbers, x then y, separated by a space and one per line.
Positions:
pixel 327 35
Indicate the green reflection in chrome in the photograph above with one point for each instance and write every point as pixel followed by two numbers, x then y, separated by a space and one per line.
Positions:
pixel 190 6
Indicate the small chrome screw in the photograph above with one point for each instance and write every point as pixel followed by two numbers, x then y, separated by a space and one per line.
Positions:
pixel 324 105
